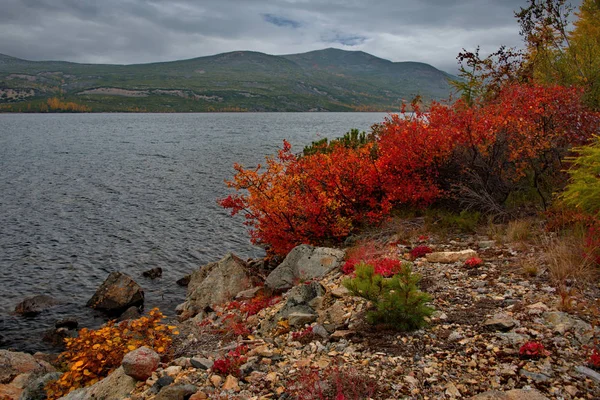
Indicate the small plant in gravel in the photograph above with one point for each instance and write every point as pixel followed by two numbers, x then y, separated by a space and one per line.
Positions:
pixel 96 353
pixel 304 336
pixel 420 251
pixel 473 262
pixel 230 364
pixel 594 359
pixel 533 350
pixel 368 253
pixel 397 300
pixel 332 383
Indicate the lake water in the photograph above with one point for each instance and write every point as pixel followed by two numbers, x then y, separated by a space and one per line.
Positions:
pixel 83 195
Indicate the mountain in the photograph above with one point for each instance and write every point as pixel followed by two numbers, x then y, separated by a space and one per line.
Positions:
pixel 323 80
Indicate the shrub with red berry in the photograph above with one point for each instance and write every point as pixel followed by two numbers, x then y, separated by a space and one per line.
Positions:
pixel 420 251
pixel 473 262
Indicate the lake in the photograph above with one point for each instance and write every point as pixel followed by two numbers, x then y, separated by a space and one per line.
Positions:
pixel 83 195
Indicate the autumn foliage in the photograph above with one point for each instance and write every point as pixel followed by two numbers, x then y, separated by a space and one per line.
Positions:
pixel 478 154
pixel 96 353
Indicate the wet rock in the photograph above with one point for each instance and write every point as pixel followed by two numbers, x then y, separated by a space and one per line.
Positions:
pixel 116 294
pixel 447 257
pixel 15 363
pixel 216 283
pixel 153 273
pixel 34 305
pixel 176 392
pixel 249 294
pixel 515 394
pixel 56 337
pixel 68 323
pixel 164 380
pixel 35 389
pixel 184 281
pixel 116 386
pixel 140 363
pixel 132 312
pixel 303 263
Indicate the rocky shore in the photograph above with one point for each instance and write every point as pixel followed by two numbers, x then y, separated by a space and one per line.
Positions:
pixel 307 336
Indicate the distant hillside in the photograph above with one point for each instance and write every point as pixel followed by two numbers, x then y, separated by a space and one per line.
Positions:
pixel 323 80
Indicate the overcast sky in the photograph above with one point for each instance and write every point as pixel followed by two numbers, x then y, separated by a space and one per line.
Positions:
pixel 139 31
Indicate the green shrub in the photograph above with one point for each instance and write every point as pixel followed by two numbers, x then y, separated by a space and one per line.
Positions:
pixel 583 190
pixel 397 301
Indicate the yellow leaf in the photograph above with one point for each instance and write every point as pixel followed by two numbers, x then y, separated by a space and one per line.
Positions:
pixel 160 349
pixel 99 356
pixel 131 347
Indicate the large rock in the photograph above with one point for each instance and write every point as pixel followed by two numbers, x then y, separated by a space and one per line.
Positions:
pixel 176 392
pixel 304 263
pixel 14 363
pixel 216 283
pixel 515 394
pixel 448 257
pixel 35 389
pixel 298 308
pixel 562 322
pixel 35 305
pixel 116 294
pixel 140 363
pixel 116 386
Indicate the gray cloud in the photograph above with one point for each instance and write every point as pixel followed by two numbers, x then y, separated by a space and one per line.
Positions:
pixel 136 31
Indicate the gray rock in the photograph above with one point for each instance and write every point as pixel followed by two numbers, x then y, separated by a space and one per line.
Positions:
pixel 319 330
pixel 32 306
pixel 513 338
pixel 486 244
pixel 117 293
pixel 184 281
pixel 201 363
pixel 455 336
pixel 590 373
pixel 303 263
pixel 131 313
pixel 500 323
pixel 562 322
pixel 515 394
pixel 334 316
pixel 450 256
pixel 304 294
pixel 69 323
pixel 140 363
pixel 216 283
pixel 35 389
pixel 14 363
pixel 115 386
pixel 164 380
pixel 177 392
pixel 301 319
pixel 534 376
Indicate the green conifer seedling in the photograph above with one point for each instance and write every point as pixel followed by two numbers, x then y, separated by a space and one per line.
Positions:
pixel 397 301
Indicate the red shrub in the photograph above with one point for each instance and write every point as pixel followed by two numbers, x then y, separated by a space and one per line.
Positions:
pixel 533 350
pixel 473 262
pixel 332 384
pixel 420 251
pixel 594 359
pixel 231 362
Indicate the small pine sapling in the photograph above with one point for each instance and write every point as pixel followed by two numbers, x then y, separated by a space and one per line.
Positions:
pixel 397 300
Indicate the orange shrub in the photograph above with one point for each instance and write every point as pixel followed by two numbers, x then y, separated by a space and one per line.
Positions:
pixel 96 353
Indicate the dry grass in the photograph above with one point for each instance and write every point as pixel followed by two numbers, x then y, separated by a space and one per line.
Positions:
pixel 520 230
pixel 567 263
pixel 530 266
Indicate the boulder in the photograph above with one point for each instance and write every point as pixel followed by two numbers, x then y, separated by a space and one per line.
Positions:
pixel 35 305
pixel 304 263
pixel 216 283
pixel 448 257
pixel 35 389
pixel 116 294
pixel 116 386
pixel 56 337
pixel 500 322
pixel 299 306
pixel 140 363
pixel 515 394
pixel 562 322
pixel 14 363
pixel 132 312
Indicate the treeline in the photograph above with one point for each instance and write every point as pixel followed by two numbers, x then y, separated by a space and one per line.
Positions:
pixel 51 105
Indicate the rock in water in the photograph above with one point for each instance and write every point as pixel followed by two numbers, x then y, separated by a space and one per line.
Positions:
pixel 304 263
pixel 140 363
pixel 35 305
pixel 153 273
pixel 216 283
pixel 116 294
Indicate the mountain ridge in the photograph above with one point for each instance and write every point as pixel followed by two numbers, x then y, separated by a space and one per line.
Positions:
pixel 320 80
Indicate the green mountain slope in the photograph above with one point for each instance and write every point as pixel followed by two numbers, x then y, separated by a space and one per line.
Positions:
pixel 324 80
